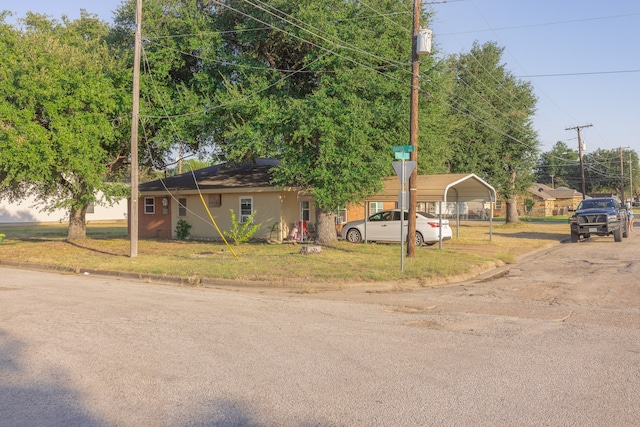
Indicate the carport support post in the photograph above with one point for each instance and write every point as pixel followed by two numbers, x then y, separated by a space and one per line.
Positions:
pixel 490 220
pixel 457 220
pixel 440 228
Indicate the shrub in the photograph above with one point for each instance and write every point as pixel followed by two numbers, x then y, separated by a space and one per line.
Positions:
pixel 241 232
pixel 182 229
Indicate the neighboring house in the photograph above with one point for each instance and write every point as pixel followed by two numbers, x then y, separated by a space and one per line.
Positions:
pixel 245 188
pixel 28 211
pixel 548 201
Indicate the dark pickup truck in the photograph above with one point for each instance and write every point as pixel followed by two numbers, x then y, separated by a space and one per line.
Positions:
pixel 601 217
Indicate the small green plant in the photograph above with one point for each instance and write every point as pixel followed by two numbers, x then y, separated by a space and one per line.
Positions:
pixel 241 232
pixel 182 229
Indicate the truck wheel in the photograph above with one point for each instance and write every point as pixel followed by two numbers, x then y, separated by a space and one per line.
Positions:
pixel 625 231
pixel 617 234
pixel 575 237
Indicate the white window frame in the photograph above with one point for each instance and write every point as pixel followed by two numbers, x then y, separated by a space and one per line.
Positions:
pixel 149 208
pixel 375 207
pixel 244 216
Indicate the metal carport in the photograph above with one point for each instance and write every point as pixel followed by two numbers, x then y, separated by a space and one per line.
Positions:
pixel 444 188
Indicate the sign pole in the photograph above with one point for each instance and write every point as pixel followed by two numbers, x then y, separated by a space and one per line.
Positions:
pixel 402 194
pixel 402 152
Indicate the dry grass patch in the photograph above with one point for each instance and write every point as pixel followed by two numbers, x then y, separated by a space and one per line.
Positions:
pixel 341 263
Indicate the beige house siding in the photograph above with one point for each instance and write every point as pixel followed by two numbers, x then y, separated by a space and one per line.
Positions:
pixel 271 211
pixel 276 212
pixel 222 187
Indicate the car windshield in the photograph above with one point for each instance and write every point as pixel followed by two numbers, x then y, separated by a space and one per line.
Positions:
pixel 596 204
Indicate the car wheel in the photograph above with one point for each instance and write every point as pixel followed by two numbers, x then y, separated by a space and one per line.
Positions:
pixel 354 236
pixel 419 239
pixel 617 234
pixel 575 237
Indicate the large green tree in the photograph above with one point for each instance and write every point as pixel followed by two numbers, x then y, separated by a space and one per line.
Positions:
pixel 328 84
pixel 323 86
pixel 559 167
pixel 497 141
pixel 59 110
pixel 180 71
pixel 607 170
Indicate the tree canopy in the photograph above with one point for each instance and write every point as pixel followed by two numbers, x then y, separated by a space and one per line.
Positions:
pixel 58 109
pixel 605 170
pixel 497 140
pixel 322 86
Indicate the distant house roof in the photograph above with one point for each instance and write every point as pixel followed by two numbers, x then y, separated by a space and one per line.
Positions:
pixel 219 177
pixel 549 193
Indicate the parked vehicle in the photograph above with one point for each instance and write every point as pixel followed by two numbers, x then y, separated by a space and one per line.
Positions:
pixel 384 226
pixel 601 217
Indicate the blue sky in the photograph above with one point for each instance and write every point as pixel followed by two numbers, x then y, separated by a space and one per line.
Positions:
pixel 586 54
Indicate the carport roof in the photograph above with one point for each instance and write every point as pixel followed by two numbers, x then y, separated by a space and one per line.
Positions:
pixel 442 188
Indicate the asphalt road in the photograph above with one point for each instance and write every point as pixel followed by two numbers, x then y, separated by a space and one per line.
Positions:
pixel 555 341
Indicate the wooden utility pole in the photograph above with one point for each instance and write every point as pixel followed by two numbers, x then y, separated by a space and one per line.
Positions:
pixel 622 176
pixel 578 128
pixel 413 130
pixel 631 180
pixel 135 118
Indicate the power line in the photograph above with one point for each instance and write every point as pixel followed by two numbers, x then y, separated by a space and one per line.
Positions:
pixel 588 73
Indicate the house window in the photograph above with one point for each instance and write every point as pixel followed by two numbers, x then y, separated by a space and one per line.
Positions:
pixel 215 200
pixel 182 207
pixel 91 208
pixel 305 210
pixel 246 209
pixel 498 205
pixel 375 207
pixel 149 205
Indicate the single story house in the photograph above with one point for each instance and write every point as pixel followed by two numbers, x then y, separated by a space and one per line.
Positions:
pixel 217 190
pixel 28 211
pixel 548 201
pixel 247 189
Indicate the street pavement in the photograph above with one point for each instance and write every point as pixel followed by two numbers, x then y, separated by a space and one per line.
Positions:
pixel 87 350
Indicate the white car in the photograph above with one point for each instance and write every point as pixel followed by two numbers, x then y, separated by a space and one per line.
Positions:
pixel 384 226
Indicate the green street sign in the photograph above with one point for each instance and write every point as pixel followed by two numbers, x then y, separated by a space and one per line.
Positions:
pixel 402 149
pixel 402 156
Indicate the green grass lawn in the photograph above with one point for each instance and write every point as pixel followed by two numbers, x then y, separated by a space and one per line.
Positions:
pixel 107 248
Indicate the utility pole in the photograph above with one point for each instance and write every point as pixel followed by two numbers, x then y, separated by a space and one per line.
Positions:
pixel 621 176
pixel 631 179
pixel 135 118
pixel 578 128
pixel 413 129
pixel 420 45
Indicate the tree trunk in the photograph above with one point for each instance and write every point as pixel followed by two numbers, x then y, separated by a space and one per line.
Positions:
pixel 512 211
pixel 512 201
pixel 326 227
pixel 77 224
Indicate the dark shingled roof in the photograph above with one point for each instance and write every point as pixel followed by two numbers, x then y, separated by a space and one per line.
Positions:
pixel 222 176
